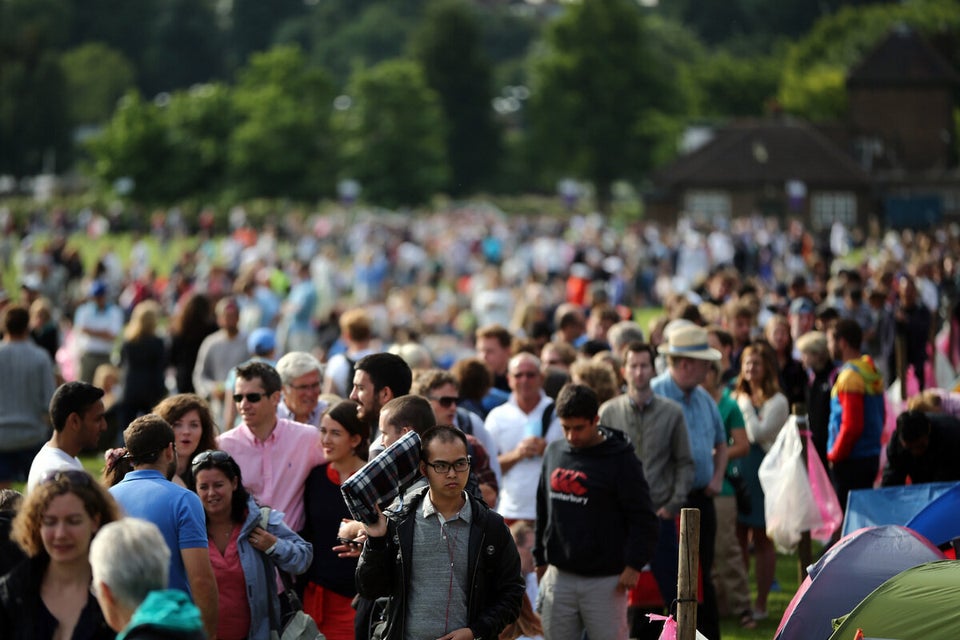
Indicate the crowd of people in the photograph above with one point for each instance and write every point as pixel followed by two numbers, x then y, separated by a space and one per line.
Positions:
pixel 558 438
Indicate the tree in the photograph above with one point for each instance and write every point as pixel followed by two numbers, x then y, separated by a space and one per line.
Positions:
pixel 393 135
pixel 593 87
pixel 134 145
pixel 34 124
pixel 731 86
pixel 448 47
pixel 282 145
pixel 812 84
pixel 96 77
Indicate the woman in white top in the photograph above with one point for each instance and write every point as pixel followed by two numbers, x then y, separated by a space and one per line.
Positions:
pixel 765 410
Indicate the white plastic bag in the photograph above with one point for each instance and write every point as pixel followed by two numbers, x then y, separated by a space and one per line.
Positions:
pixel 789 505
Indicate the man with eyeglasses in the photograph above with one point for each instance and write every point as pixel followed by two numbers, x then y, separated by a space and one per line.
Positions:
pixel 275 455
pixel 521 429
pixel 301 375
pixel 595 529
pixel 447 562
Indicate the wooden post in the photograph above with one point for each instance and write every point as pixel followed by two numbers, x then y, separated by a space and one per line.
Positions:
pixel 687 576
pixel 805 547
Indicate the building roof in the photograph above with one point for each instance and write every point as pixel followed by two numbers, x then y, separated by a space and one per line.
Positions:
pixel 753 152
pixel 902 58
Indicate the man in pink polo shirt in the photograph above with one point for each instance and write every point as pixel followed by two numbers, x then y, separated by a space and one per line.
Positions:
pixel 275 455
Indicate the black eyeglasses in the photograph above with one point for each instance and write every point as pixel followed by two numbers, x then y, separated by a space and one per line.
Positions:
pixel 251 397
pixel 446 401
pixel 443 467
pixel 211 455
pixel 524 374
pixel 70 476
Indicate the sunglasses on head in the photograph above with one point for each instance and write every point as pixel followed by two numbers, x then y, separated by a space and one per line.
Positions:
pixel 251 397
pixel 211 455
pixel 445 401
pixel 69 476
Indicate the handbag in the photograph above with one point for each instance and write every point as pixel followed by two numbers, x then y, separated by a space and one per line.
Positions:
pixel 297 625
pixel 741 491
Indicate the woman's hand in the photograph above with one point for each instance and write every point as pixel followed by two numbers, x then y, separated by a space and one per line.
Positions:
pixel 261 539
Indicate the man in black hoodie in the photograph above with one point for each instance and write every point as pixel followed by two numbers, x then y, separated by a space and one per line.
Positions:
pixel 596 527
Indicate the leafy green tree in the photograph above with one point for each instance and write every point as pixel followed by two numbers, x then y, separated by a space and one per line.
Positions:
pixel 817 64
pixel 96 77
pixel 34 124
pixel 282 145
pixel 448 47
pixel 254 25
pixel 594 87
pixel 393 135
pixel 134 145
pixel 731 86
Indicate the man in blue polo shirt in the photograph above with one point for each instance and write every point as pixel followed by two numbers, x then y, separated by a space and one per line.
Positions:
pixel 147 493
pixel 688 358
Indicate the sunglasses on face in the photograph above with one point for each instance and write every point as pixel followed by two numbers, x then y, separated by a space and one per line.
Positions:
pixel 524 374
pixel 251 397
pixel 445 401
pixel 74 477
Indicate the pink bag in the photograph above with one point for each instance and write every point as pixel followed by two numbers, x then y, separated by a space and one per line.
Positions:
pixel 823 494
pixel 669 626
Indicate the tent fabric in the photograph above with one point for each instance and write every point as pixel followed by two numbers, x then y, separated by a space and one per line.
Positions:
pixel 890 505
pixel 856 565
pixel 939 521
pixel 917 603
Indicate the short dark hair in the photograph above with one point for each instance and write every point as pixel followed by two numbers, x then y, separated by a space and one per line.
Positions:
pixel 443 433
pixel 639 347
pixel 387 370
pixel 849 329
pixel 497 331
pixel 267 374
pixel 473 378
pixel 72 397
pixel 577 401
pixel 414 412
pixel 913 425
pixel 16 320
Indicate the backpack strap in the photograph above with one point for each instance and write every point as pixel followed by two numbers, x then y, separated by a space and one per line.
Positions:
pixel 546 419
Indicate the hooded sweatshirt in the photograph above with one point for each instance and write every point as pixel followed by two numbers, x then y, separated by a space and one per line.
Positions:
pixel 167 614
pixel 594 515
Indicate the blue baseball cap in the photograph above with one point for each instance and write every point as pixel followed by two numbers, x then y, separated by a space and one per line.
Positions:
pixel 261 341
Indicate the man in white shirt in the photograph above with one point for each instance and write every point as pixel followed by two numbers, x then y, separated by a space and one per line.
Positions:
pixel 97 323
pixel 77 414
pixel 522 433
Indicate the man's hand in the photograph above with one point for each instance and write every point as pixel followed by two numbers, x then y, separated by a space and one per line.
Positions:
pixel 664 514
pixel 714 488
pixel 379 529
pixel 458 634
pixel 628 579
pixel 531 447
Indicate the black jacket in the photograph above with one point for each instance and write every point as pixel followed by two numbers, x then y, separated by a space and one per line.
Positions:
pixel 496 586
pixel 23 615
pixel 594 515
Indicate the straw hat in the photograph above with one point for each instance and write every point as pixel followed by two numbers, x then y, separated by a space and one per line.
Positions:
pixel 689 342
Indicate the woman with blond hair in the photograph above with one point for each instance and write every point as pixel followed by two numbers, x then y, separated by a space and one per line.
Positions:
pixel 765 410
pixel 48 595
pixel 143 359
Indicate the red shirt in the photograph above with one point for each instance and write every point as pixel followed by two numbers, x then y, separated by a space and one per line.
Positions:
pixel 233 590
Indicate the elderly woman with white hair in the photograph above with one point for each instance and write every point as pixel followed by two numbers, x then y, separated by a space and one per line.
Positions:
pixel 816 359
pixel 131 565
pixel 302 377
